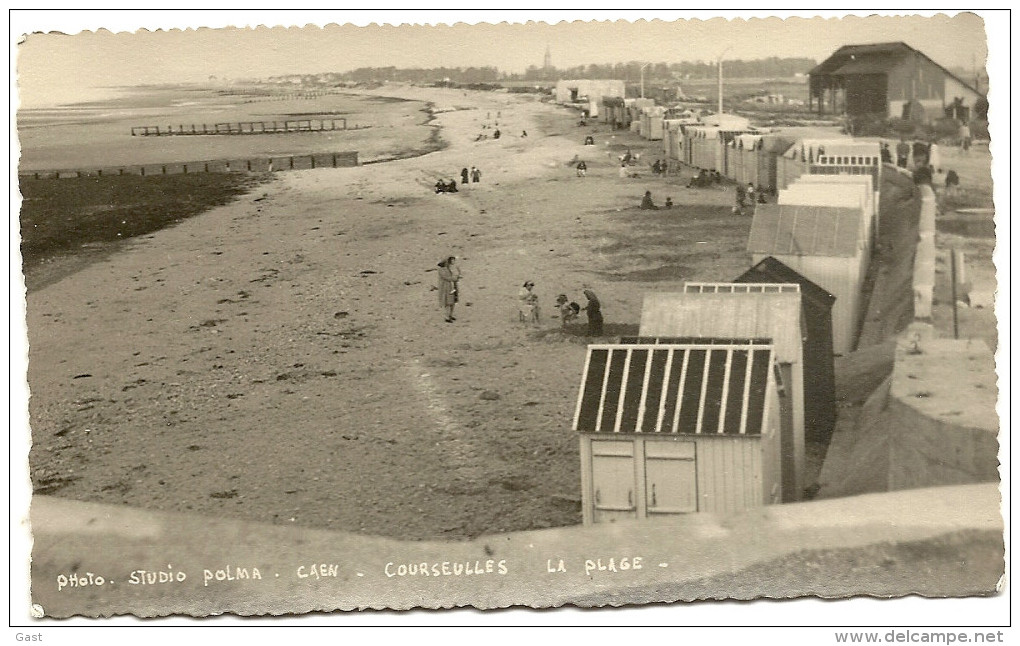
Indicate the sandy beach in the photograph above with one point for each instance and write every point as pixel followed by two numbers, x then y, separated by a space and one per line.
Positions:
pixel 284 358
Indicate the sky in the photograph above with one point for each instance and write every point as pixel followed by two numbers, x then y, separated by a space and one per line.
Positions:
pixel 55 67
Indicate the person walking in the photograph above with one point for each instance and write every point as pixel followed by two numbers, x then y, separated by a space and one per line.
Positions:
pixel 463 176
pixel 935 156
pixel 594 311
pixel 902 153
pixel 476 174
pixel 963 134
pixel 738 209
pixel 449 279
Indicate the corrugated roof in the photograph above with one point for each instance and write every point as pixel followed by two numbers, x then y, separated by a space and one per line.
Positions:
pixel 680 389
pixel 847 52
pixel 824 178
pixel 774 315
pixel 777 144
pixel 771 270
pixel 784 229
pixel 851 195
pixel 880 64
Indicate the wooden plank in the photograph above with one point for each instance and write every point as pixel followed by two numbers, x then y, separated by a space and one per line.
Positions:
pixel 678 392
pixel 648 385
pixel 723 399
pixel 704 391
pixel 628 352
pixel 602 391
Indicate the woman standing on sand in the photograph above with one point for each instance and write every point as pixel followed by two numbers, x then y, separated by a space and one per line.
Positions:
pixel 449 275
pixel 594 311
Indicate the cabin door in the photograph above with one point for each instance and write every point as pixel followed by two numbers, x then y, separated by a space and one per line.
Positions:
pixel 788 462
pixel 613 479
pixel 671 482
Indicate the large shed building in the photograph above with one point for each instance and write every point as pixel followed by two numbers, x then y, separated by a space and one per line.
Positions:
pixel 889 80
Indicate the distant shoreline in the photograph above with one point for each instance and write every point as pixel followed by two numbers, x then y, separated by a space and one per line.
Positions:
pixel 99 134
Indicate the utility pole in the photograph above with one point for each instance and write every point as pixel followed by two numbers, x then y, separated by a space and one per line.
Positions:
pixel 643 79
pixel 719 64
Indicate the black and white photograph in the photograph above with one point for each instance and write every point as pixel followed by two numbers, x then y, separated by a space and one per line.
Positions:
pixel 438 317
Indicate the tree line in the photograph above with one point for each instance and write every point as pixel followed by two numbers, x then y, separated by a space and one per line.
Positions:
pixel 773 67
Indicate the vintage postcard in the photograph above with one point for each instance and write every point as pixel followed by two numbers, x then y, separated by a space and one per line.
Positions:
pixel 320 312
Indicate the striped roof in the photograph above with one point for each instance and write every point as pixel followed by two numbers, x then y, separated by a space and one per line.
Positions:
pixel 786 229
pixel 688 340
pixel 693 287
pixel 692 389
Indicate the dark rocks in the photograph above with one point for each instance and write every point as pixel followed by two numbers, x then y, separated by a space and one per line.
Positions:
pixel 489 395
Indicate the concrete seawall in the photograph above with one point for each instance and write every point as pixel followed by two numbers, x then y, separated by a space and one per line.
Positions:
pixel 933 421
pixel 206 565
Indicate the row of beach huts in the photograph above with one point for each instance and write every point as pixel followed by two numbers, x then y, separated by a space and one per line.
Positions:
pixel 708 409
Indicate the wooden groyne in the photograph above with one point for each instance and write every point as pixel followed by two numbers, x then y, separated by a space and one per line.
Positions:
pixel 245 128
pixel 252 165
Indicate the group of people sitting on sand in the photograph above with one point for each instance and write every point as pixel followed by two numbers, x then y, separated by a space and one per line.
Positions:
pixel 495 134
pixel 466 176
pixel 628 158
pixel 648 204
pixel 705 179
pixel 568 310
pixel 446 187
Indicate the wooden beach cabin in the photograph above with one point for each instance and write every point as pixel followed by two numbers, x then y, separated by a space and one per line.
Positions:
pixel 855 196
pixel 871 195
pixel 651 122
pixel 826 245
pixel 816 318
pixel 670 429
pixel 746 311
pixel 614 112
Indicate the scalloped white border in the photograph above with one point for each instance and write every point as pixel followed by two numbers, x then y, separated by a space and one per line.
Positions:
pixel 911 611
